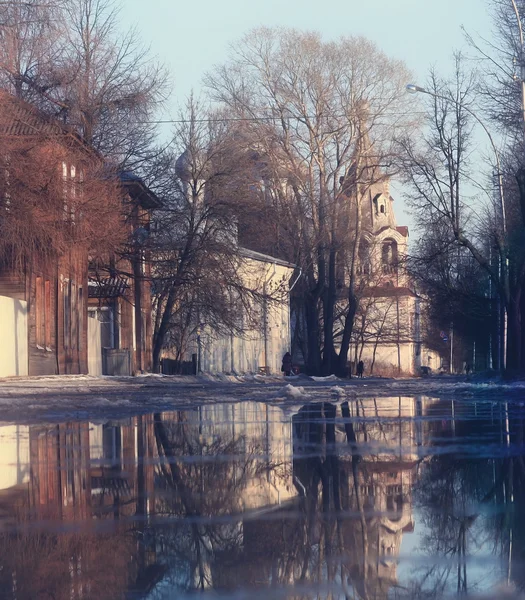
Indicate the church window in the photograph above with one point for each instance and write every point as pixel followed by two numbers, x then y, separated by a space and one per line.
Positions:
pixel 382 208
pixel 389 256
pixel 364 267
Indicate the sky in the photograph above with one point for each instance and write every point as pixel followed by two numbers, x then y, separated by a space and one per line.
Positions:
pixel 191 37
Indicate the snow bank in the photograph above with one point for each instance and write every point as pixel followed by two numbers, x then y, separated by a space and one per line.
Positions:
pixel 290 392
pixel 327 378
pixel 338 392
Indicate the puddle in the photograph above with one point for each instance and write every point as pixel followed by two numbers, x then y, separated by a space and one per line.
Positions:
pixel 401 497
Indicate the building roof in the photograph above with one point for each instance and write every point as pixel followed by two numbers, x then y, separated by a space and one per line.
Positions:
pixel 402 230
pixel 265 258
pixel 19 118
pixel 138 190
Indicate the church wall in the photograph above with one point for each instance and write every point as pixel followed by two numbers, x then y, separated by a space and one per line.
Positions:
pixel 262 345
pixel 388 359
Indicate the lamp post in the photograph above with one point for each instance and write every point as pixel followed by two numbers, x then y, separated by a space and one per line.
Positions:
pixel 414 89
pixel 199 348
pixel 521 61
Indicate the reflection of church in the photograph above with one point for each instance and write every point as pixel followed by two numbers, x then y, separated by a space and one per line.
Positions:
pixel 386 476
pixel 368 477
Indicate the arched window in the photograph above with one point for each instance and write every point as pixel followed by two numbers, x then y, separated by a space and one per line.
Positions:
pixel 382 209
pixel 364 258
pixel 389 256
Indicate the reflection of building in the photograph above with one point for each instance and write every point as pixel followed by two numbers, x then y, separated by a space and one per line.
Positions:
pixel 221 495
pixel 77 543
pixel 259 433
pixel 366 467
pixel 387 435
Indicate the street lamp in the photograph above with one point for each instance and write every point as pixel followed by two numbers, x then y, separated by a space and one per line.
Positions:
pixel 522 61
pixel 415 89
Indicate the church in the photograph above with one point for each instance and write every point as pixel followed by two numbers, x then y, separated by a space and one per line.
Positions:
pixel 387 329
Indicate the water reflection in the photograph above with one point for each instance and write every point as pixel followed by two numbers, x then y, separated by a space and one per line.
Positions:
pixel 373 499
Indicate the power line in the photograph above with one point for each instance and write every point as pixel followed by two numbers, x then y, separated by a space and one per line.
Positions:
pixel 265 119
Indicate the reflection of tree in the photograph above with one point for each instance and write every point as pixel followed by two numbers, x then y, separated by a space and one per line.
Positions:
pixel 465 506
pixel 448 494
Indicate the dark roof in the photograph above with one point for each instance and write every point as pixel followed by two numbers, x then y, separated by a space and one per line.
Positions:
pixel 265 258
pixel 19 118
pixel 402 229
pixel 138 190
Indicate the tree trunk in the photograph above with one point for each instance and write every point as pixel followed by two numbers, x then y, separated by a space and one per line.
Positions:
pixel 342 359
pixel 313 360
pixel 160 334
pixel 514 337
pixel 329 302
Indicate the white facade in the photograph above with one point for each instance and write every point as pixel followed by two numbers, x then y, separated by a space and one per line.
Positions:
pixel 14 358
pixel 262 345
pixel 387 329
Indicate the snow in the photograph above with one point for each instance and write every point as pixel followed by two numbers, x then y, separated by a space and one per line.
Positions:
pixel 338 392
pixel 292 393
pixel 81 396
pixel 327 378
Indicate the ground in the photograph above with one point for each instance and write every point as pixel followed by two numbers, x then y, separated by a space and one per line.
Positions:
pixel 262 487
pixel 81 397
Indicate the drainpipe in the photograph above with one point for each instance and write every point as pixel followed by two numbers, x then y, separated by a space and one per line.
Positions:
pixel 398 338
pixel 265 327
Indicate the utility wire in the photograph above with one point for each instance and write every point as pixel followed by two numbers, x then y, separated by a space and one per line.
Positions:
pixel 264 119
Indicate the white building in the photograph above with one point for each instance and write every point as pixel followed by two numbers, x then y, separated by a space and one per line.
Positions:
pixel 261 346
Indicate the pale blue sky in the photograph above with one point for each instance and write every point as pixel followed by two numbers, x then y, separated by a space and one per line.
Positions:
pixel 190 37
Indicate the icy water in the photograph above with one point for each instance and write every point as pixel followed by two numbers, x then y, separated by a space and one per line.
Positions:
pixel 401 497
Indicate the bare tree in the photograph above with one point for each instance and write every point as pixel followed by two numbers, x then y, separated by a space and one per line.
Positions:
pixel 198 273
pixel 54 194
pixel 320 117
pixel 31 52
pixel 438 170
pixel 502 90
pixel 71 60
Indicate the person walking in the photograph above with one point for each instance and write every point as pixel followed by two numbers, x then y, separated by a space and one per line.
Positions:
pixel 286 367
pixel 360 368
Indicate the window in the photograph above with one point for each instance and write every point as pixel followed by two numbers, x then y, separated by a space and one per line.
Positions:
pixel 67 312
pixel 70 181
pixel 7 180
pixel 74 317
pixel 47 311
pixel 382 209
pixel 80 312
pixel 39 313
pixel 43 317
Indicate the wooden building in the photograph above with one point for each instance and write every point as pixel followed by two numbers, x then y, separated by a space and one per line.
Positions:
pixel 43 263
pixel 120 324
